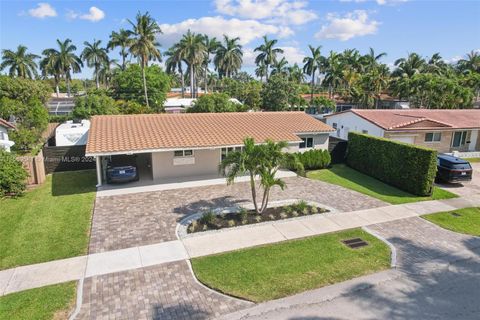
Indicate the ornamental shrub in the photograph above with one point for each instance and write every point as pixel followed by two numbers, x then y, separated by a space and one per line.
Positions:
pixel 314 159
pixel 12 175
pixel 408 167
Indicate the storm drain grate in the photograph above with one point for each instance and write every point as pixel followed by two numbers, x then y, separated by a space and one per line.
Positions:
pixel 355 243
pixel 455 214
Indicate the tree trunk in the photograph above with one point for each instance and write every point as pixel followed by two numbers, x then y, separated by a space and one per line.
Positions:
pixel 96 78
pixel 191 81
pixel 67 79
pixel 266 192
pixel 254 192
pixel 123 59
pixel 313 84
pixel 145 85
pixel 183 83
pixel 266 73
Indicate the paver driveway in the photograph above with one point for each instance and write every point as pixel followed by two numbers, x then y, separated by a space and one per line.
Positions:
pixel 130 220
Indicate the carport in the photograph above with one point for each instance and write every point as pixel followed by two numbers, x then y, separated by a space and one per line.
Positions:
pixel 142 161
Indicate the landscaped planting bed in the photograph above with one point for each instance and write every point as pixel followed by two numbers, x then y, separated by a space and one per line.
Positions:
pixel 214 221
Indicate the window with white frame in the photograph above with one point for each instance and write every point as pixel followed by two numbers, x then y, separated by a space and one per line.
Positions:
pixel 306 143
pixel 183 153
pixel 226 151
pixel 433 136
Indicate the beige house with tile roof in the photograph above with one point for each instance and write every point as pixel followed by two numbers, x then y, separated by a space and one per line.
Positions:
pixel 169 146
pixel 443 130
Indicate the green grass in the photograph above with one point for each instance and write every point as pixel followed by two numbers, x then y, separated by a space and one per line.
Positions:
pixel 279 270
pixel 472 159
pixel 52 302
pixel 468 222
pixel 49 222
pixel 349 178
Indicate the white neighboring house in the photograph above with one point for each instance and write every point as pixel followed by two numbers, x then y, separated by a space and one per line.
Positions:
pixel 5 143
pixel 72 133
pixel 443 130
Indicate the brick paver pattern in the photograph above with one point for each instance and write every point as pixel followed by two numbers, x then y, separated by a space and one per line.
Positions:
pixel 166 292
pixel 130 220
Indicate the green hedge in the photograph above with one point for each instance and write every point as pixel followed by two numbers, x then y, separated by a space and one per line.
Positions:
pixel 405 166
pixel 311 160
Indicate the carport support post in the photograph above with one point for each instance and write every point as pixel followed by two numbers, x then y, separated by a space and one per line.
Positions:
pixel 98 162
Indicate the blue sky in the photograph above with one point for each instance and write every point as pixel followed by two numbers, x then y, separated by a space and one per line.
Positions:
pixel 393 26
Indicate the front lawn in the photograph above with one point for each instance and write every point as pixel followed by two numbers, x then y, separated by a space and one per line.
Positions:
pixel 279 270
pixel 52 302
pixel 349 178
pixel 465 220
pixel 472 159
pixel 49 222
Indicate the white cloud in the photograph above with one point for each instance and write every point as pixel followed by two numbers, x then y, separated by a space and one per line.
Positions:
pixel 293 55
pixel 380 2
pixel 94 14
pixel 43 10
pixel 353 24
pixel 281 11
pixel 247 30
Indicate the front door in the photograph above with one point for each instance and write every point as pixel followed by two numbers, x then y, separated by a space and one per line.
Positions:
pixel 459 139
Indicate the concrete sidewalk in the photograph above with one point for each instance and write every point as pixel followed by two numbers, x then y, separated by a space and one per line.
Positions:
pixel 201 244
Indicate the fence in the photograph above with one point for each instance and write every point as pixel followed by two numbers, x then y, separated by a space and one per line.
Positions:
pixel 69 158
pixel 35 168
pixel 338 149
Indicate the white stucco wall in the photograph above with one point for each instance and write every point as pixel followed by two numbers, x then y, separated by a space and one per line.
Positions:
pixel 5 143
pixel 206 163
pixel 348 121
pixel 320 141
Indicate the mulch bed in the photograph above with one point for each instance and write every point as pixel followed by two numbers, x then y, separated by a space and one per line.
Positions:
pixel 211 221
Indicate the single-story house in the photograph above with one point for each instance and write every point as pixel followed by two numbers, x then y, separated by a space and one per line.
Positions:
pixel 443 130
pixel 5 142
pixel 170 146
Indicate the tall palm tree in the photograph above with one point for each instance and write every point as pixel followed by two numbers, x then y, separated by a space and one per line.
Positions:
pixel 47 66
pixel 123 40
pixel 333 73
pixel 407 67
pixel 211 46
pixel 295 73
pixel 106 70
pixel 95 56
pixel 144 45
pixel 268 53
pixel 193 51
pixel 64 60
pixel 174 63
pixel 436 64
pixel 313 64
pixel 372 59
pixel 20 63
pixel 228 57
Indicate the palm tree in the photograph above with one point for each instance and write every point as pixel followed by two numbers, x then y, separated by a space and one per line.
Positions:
pixel 106 70
pixel 312 64
pixel 262 160
pixel 333 73
pixel 268 54
pixel 20 63
pixel 95 56
pixel 280 67
pixel 123 40
pixel 174 62
pixel 229 57
pixel 211 46
pixel 436 64
pixel 193 50
pixel 471 62
pixel 144 45
pixel 261 70
pixel 295 74
pixel 372 59
pixel 47 66
pixel 64 61
pixel 407 67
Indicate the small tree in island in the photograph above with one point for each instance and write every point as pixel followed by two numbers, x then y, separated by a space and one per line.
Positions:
pixel 258 160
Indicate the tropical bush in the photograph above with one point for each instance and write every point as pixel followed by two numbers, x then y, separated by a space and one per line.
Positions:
pixel 215 102
pixel 12 175
pixel 279 93
pixel 313 159
pixel 249 92
pixel 24 90
pixel 96 102
pixel 128 85
pixel 131 107
pixel 405 166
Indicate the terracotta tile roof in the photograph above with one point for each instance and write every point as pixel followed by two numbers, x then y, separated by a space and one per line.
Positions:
pixel 127 133
pixel 6 124
pixel 419 119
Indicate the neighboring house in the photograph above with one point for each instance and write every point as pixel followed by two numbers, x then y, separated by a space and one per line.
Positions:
pixel 72 133
pixel 171 146
pixel 443 130
pixel 5 126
